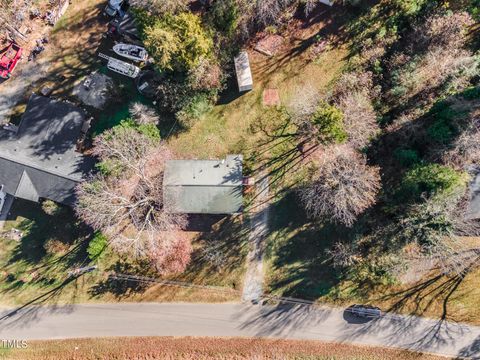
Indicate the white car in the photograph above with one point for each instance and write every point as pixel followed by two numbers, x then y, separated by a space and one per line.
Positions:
pixel 3 196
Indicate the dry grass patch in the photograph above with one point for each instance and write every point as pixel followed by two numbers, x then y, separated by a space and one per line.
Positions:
pixel 203 348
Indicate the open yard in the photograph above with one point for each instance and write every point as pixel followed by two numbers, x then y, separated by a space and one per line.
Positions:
pixel 298 266
pixel 35 266
pixel 203 349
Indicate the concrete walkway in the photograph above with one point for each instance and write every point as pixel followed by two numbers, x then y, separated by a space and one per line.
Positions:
pixel 254 278
pixel 239 320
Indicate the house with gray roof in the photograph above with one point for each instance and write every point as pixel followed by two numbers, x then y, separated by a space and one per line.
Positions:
pixel 39 159
pixel 204 186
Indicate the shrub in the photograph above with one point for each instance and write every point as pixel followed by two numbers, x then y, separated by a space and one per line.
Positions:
pixel 194 110
pixel 50 207
pixel 178 42
pixel 410 7
pixel 97 245
pixel 149 130
pixel 432 179
pixel 224 16
pixel 328 122
pixel 447 122
pixel 161 7
pixel 353 94
pixel 109 168
pixel 207 75
pixel 472 93
pixel 172 94
pixel 407 157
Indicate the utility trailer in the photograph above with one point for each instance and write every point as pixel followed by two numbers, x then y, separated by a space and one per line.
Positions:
pixel 121 67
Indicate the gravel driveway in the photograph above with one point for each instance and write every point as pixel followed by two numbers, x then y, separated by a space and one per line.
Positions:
pixel 15 90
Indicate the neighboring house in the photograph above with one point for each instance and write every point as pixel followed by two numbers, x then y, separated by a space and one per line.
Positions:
pixel 204 186
pixel 39 159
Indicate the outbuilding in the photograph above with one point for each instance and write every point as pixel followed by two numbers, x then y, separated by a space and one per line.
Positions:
pixel 473 209
pixel 243 71
pixel 204 186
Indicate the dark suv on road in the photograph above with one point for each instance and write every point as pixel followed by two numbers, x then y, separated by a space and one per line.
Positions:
pixel 365 311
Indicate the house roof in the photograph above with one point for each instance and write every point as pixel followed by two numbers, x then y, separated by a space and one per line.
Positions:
pixel 40 160
pixel 204 186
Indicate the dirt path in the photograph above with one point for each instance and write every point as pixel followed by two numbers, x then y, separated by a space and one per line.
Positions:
pixel 254 279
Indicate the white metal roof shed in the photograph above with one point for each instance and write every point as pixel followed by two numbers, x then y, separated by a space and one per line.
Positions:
pixel 244 74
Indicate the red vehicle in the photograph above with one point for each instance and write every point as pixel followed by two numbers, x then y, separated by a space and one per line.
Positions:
pixel 9 59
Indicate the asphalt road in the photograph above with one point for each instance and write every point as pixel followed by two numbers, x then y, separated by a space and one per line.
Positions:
pixel 237 320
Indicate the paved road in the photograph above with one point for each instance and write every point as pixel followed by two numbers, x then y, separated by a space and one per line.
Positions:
pixel 294 322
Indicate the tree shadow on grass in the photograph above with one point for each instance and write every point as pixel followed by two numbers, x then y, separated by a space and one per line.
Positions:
pixel 436 291
pixel 219 255
pixel 49 247
pixel 39 227
pixel 121 288
pixel 297 247
pixel 218 259
pixel 34 309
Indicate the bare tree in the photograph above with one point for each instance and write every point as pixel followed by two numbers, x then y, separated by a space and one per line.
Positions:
pixel 353 94
pixel 465 149
pixel 303 102
pixel 343 254
pixel 269 11
pixel 436 60
pixel 143 114
pixel 437 227
pixel 130 207
pixel 207 75
pixel 448 31
pixel 124 147
pixel 343 187
pixel 359 118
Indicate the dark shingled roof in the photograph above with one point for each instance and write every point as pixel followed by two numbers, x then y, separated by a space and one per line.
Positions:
pixel 40 160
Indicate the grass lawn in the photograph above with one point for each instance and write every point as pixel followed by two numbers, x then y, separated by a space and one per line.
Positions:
pixel 298 266
pixel 35 267
pixel 203 348
pixel 232 126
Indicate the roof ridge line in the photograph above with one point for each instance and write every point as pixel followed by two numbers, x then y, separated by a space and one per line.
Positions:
pixel 28 164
